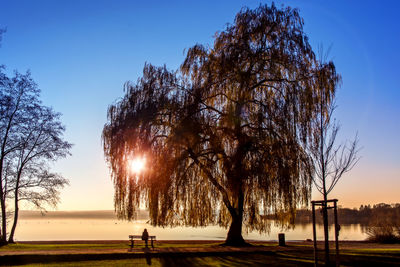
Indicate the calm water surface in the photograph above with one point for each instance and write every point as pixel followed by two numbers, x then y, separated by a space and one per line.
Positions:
pixel 108 229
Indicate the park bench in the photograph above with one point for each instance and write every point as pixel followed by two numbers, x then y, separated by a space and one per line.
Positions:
pixel 133 237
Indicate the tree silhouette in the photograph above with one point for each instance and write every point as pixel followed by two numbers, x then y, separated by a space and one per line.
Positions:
pixel 225 136
pixel 330 161
pixel 30 137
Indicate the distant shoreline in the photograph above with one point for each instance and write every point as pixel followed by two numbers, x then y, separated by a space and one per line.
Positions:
pixel 84 214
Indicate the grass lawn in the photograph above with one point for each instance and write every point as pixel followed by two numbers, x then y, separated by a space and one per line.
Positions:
pixel 242 260
pixel 278 259
pixel 190 253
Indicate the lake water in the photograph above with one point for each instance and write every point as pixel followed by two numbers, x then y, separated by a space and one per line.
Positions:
pixel 108 229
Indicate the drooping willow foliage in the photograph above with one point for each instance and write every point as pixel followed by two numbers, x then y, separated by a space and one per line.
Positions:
pixel 225 136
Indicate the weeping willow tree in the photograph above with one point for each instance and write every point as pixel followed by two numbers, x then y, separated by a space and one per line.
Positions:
pixel 224 137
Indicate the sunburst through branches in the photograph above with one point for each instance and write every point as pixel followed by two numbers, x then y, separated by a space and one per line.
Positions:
pixel 137 164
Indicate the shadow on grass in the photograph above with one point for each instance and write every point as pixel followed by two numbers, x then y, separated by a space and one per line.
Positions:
pixel 235 261
pixel 247 259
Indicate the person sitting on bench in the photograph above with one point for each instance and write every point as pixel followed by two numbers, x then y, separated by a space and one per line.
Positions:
pixel 145 236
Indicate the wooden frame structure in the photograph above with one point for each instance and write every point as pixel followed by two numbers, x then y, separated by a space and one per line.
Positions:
pixel 325 205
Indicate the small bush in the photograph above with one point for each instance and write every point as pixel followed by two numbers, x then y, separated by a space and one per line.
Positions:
pixel 383 233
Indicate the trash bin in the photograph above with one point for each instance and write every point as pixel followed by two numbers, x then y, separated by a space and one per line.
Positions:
pixel 281 238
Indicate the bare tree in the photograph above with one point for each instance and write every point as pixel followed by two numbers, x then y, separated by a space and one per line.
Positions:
pixel 40 142
pixel 30 136
pixel 330 161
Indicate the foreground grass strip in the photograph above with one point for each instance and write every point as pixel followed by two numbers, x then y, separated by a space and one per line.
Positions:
pixel 176 254
pixel 222 261
pixel 21 259
pixel 118 263
pixel 249 259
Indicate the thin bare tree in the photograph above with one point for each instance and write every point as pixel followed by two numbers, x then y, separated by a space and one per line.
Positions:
pixel 330 160
pixel 30 137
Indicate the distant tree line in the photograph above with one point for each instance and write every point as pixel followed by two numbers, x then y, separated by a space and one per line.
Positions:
pixel 76 215
pixel 366 215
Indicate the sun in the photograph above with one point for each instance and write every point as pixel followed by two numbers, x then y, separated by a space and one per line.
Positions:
pixel 137 165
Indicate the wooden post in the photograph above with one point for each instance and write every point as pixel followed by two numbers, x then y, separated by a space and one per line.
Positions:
pixel 336 233
pixel 314 235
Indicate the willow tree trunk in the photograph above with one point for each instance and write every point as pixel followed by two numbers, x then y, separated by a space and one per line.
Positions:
pixel 234 237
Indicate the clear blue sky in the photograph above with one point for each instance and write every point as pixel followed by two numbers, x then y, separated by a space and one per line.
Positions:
pixel 81 53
